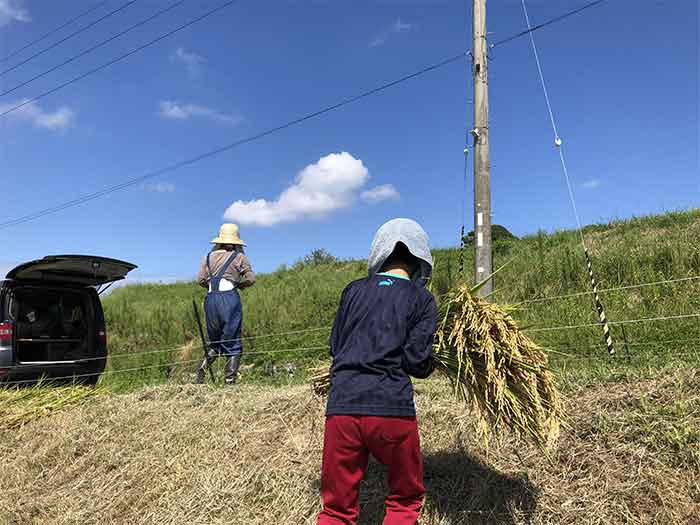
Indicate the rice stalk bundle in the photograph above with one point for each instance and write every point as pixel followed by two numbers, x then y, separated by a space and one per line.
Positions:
pixel 19 406
pixel 494 368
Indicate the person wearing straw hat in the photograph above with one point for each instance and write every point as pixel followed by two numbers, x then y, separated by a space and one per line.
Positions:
pixel 382 335
pixel 223 271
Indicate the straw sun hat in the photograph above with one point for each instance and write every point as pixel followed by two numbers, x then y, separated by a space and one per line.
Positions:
pixel 228 234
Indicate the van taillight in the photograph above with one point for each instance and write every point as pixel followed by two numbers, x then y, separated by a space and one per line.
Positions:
pixel 6 332
pixel 102 335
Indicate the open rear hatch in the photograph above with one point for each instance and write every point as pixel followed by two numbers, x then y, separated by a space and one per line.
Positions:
pixel 54 310
pixel 83 270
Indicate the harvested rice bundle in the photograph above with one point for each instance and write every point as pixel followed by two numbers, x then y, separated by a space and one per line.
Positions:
pixel 493 366
pixel 19 406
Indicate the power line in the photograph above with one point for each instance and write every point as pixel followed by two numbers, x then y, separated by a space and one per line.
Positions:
pixel 173 167
pixel 111 62
pixel 92 48
pixel 74 33
pixel 118 59
pixel 547 23
pixel 55 30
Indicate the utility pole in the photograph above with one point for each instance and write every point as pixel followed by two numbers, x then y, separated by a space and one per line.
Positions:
pixel 482 166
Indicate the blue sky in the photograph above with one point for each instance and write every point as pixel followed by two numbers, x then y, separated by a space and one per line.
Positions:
pixel 623 79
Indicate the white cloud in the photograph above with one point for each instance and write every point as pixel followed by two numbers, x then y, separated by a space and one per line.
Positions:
pixel 192 61
pixel 58 120
pixel 319 189
pixel 397 27
pixel 160 187
pixel 381 193
pixel 591 184
pixel 12 11
pixel 175 110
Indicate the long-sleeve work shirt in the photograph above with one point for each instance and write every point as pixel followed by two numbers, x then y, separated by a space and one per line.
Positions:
pixel 240 272
pixel 382 334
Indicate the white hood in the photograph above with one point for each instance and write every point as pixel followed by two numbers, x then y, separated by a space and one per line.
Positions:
pixel 408 232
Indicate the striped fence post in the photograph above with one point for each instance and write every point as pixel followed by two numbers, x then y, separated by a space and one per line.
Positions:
pixel 599 307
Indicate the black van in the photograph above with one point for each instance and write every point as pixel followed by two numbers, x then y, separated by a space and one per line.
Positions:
pixel 51 319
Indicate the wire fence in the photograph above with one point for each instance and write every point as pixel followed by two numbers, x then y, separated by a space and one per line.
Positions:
pixel 168 366
pixel 614 323
pixel 561 350
pixel 608 290
pixel 555 350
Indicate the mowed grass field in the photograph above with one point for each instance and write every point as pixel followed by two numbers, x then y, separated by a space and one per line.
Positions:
pixel 147 447
pixel 174 454
pixel 288 313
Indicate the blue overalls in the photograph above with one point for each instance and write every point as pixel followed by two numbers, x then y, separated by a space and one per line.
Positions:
pixel 224 313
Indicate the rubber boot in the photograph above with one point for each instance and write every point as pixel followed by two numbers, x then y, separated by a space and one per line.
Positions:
pixel 231 369
pixel 206 363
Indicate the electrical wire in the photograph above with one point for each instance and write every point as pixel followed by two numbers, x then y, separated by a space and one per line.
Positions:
pixel 118 59
pixel 173 167
pixel 546 23
pixel 55 30
pixel 92 48
pixel 55 44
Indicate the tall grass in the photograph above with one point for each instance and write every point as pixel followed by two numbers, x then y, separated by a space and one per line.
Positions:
pixel 145 318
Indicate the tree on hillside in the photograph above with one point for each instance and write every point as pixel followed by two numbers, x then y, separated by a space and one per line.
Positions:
pixel 319 256
pixel 498 233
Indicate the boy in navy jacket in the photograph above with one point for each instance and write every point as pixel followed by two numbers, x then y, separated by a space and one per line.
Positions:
pixel 382 334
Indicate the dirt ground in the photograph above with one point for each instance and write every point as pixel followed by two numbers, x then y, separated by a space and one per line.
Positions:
pixel 251 455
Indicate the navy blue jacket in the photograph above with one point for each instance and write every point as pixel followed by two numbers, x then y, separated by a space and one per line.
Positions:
pixel 382 334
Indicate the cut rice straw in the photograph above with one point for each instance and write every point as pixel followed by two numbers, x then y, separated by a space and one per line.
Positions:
pixel 20 406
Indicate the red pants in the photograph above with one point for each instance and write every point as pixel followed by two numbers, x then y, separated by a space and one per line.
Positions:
pixel 347 443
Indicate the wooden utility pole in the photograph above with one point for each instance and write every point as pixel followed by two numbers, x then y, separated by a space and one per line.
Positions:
pixel 482 167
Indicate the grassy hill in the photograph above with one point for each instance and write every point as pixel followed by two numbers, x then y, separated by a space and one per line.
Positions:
pixel 153 326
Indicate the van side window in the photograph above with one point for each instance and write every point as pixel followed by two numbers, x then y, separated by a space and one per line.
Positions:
pixel 8 299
